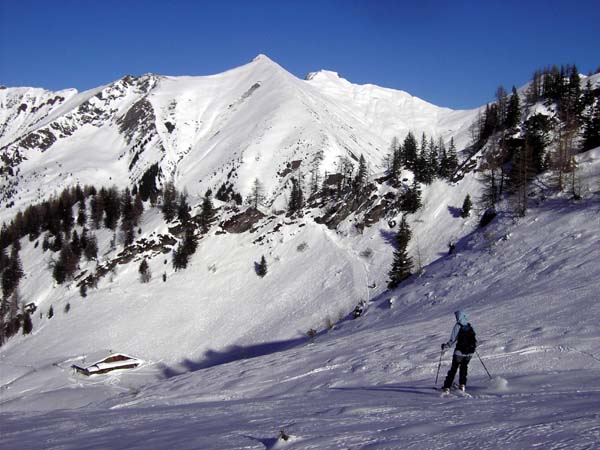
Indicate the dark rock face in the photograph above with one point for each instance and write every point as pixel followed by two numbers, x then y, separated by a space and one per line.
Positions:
pixel 41 140
pixel 242 222
pixel 138 126
pixel 140 118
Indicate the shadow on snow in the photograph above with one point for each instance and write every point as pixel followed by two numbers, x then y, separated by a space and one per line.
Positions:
pixel 233 353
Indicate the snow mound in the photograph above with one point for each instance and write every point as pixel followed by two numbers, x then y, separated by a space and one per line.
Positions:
pixel 499 384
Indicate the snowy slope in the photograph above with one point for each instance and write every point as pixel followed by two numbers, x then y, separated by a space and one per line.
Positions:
pixel 23 108
pixel 390 112
pixel 529 287
pixel 228 360
pixel 254 120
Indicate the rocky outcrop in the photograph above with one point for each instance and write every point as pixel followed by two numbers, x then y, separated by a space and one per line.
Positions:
pixel 242 222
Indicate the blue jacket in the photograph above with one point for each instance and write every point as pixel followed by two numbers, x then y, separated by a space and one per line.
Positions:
pixel 461 320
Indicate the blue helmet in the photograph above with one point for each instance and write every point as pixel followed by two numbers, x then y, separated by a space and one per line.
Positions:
pixel 461 317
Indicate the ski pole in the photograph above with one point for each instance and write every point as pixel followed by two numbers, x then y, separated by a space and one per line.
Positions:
pixel 483 364
pixel 439 365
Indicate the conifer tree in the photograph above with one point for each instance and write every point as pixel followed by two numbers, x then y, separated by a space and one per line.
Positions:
pixel 65 206
pixel 572 98
pixel 190 241
pixel 58 242
pixel 362 175
pixel 180 257
pixel 452 158
pixel 513 111
pixel 76 244
pixel 66 265
pixel 112 207
pixel 261 267
pixel 32 221
pixel 96 210
pixel 466 207
pixel 82 214
pixel 402 264
pixel 169 201
pixel 144 270
pixel 147 185
pixel 410 200
pixel 90 251
pixel 433 163
pixel 208 212
pixel 183 209
pixel 409 150
pixel 536 132
pixel 296 197
pixel 127 211
pixel 12 274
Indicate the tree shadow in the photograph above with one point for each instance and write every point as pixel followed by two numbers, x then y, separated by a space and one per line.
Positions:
pixel 454 211
pixel 389 237
pixel 232 353
pixel 269 443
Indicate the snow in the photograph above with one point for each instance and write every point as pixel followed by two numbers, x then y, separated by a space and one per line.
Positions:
pixel 254 119
pixel 367 383
pixel 228 362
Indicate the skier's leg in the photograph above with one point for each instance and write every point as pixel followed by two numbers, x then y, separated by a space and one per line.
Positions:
pixel 464 367
pixel 451 373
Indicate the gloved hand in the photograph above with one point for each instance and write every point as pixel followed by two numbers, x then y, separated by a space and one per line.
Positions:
pixel 444 346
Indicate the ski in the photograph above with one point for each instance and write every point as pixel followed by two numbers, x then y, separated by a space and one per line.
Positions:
pixel 454 392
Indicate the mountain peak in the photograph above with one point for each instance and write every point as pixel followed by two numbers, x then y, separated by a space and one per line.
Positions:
pixel 323 73
pixel 262 57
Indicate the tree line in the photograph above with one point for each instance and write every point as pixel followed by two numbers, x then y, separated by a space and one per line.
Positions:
pixel 67 222
pixel 522 144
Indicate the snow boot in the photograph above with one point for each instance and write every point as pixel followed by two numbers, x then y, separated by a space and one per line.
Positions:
pixel 462 387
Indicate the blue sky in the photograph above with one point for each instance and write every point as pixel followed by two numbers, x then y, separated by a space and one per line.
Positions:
pixel 451 53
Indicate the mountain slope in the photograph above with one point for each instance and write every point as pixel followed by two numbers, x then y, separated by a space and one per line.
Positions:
pixel 254 120
pixel 528 287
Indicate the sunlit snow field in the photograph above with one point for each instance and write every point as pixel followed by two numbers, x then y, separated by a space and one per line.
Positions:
pixel 529 286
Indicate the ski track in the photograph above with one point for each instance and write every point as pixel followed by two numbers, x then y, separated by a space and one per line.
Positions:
pixel 386 416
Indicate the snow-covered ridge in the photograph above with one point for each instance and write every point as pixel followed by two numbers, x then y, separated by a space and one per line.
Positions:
pixel 255 119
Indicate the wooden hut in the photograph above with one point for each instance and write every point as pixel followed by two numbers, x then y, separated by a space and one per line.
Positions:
pixel 115 361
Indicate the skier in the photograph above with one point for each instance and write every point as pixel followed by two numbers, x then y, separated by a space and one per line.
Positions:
pixel 464 337
pixel 451 247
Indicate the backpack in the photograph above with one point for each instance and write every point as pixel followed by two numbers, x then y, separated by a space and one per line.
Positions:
pixel 466 341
